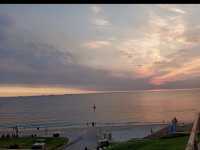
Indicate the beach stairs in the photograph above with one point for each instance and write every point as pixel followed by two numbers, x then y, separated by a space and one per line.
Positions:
pixel 160 133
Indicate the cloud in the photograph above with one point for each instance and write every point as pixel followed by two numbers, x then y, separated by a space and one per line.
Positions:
pixel 101 22
pixel 190 69
pixel 34 62
pixel 99 19
pixel 178 10
pixel 143 72
pixel 172 8
pixel 6 20
pixel 160 53
pixel 97 44
pixel 181 65
pixel 167 50
pixel 6 23
pixel 154 37
pixel 96 9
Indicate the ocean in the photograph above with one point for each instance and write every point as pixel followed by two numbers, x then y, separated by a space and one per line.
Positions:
pixel 111 108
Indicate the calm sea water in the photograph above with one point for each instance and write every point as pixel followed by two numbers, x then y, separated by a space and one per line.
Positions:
pixel 66 110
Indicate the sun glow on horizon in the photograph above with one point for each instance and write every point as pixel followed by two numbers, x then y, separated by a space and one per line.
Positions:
pixel 14 91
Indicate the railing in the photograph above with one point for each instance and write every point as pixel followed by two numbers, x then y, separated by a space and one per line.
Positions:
pixel 193 139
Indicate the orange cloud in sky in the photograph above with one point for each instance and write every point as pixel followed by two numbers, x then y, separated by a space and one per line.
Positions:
pixel 187 70
pixel 144 71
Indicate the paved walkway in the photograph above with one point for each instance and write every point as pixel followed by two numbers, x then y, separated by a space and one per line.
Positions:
pixel 86 138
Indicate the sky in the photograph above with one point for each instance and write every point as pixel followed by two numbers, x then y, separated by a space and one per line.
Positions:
pixel 56 49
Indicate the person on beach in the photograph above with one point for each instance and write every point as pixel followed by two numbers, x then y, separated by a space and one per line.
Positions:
pixel 174 124
pixel 16 131
pixel 151 131
pixel 110 136
pixel 94 107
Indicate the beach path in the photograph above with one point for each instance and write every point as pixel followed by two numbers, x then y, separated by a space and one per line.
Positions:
pixel 87 138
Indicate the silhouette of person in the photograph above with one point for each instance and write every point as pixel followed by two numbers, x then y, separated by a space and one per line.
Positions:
pixel 94 107
pixel 151 131
pixel 174 122
pixel 173 125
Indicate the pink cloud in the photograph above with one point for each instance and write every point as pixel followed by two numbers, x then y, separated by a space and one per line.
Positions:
pixel 187 70
pixel 97 44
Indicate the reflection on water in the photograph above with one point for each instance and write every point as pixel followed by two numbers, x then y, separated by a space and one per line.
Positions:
pixel 142 106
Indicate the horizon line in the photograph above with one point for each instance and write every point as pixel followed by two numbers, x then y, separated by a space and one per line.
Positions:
pixel 101 92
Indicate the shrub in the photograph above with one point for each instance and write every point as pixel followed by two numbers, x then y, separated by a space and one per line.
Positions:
pixel 14 146
pixel 56 135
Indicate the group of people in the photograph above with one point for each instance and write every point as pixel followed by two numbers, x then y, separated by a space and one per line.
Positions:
pixel 171 127
pixel 93 124
pixel 14 134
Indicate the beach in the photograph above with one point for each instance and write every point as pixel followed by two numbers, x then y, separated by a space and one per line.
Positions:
pixel 88 136
pixel 125 131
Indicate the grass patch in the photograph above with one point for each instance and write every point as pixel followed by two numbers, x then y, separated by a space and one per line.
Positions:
pixel 26 142
pixel 168 143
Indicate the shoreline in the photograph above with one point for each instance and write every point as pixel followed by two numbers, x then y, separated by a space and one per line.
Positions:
pixel 62 125
pixel 80 136
pixel 120 133
pixel 103 92
pixel 66 125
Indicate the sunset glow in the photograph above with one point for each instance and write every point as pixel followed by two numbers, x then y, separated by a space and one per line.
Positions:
pixel 7 91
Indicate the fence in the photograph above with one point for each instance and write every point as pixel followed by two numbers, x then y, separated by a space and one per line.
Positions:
pixel 193 139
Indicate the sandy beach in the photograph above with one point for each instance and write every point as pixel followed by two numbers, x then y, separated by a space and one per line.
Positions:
pixel 119 133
